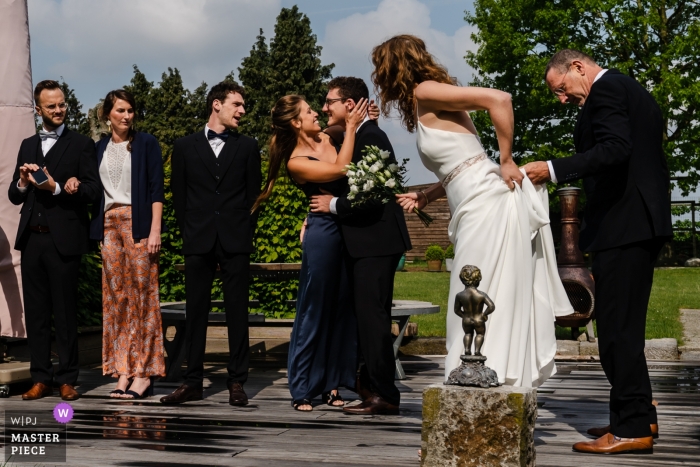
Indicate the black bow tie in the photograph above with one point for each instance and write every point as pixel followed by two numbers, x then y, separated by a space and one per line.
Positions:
pixel 211 134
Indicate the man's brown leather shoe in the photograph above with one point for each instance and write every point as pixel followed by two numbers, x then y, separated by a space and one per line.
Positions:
pixel 604 430
pixel 37 391
pixel 68 392
pixel 609 444
pixel 182 394
pixel 362 390
pixel 237 395
pixel 373 405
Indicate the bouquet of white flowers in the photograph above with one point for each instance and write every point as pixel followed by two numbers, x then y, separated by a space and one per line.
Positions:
pixel 375 177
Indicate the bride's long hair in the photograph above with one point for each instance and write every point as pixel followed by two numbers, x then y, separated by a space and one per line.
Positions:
pixel 400 64
pixel 283 141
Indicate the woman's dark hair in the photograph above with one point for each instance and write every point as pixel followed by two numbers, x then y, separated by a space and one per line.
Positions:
pixel 283 140
pixel 108 105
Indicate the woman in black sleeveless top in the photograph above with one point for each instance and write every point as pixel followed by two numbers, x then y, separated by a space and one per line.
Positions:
pixel 323 347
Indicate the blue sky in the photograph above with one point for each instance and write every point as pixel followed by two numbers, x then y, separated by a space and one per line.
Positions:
pixel 93 44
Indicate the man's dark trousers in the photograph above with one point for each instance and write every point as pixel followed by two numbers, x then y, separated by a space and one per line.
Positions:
pixel 49 286
pixel 199 276
pixel 623 279
pixel 373 286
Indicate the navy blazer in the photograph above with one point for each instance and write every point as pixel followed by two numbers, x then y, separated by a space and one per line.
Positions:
pixel 147 181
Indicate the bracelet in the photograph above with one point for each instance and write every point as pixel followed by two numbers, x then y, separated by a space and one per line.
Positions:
pixel 427 201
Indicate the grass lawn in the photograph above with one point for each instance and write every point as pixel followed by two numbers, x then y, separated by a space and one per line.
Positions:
pixel 673 289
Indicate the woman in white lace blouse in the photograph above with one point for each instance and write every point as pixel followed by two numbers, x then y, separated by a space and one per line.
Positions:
pixel 129 224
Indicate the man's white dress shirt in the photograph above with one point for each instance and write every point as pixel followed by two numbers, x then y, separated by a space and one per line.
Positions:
pixel 216 144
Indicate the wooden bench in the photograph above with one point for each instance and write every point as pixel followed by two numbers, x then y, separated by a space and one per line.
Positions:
pixel 173 314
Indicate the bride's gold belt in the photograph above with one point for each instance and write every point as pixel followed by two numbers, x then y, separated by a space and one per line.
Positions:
pixel 462 167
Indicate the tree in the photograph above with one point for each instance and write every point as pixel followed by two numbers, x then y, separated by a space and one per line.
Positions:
pixel 291 65
pixel 657 42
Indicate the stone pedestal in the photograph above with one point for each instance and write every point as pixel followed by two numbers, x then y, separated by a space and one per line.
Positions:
pixel 469 426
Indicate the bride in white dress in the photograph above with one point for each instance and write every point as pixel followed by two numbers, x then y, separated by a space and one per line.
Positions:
pixel 500 221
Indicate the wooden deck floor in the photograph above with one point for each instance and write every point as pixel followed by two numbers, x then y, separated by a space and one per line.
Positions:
pixel 269 433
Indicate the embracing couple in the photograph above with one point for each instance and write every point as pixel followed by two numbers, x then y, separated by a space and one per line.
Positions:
pixel 349 253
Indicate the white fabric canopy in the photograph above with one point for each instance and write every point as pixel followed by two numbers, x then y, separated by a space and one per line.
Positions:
pixel 16 124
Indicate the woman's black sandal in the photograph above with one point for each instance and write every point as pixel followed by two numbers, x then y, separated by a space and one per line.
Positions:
pixel 329 398
pixel 135 395
pixel 299 402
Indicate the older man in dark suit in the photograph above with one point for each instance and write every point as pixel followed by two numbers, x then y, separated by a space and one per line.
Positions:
pixel 627 219
pixel 55 179
pixel 215 181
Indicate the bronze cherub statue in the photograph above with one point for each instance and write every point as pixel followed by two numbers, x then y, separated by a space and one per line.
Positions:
pixel 469 305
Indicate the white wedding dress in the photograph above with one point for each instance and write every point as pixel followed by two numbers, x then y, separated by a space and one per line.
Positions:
pixel 506 234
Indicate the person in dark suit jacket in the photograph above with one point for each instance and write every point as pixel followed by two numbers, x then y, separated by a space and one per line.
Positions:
pixel 375 236
pixel 52 235
pixel 627 219
pixel 215 181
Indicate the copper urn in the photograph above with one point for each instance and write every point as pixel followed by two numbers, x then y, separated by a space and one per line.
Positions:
pixel 577 279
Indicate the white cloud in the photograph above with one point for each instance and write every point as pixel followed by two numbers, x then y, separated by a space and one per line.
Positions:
pixel 89 42
pixel 348 43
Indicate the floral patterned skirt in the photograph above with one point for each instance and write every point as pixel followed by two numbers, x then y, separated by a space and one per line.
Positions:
pixel 132 339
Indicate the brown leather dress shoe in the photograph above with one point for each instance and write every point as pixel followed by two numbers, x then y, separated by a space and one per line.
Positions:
pixel 68 392
pixel 182 394
pixel 610 444
pixel 373 405
pixel 37 391
pixel 237 395
pixel 604 430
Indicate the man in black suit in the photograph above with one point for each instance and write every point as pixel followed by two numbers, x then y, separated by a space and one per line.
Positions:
pixel 627 219
pixel 375 236
pixel 52 235
pixel 215 181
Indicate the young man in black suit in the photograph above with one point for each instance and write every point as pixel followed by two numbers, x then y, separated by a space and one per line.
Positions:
pixel 375 237
pixel 215 181
pixel 52 235
pixel 627 219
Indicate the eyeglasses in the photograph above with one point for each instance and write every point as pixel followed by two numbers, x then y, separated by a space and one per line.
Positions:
pixel 53 107
pixel 561 89
pixel 330 101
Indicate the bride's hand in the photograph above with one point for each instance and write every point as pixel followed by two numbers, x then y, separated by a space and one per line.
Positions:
pixel 409 201
pixel 357 115
pixel 511 174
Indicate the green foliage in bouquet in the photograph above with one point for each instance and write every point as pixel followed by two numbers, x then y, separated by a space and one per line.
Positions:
pixel 450 252
pixel 434 253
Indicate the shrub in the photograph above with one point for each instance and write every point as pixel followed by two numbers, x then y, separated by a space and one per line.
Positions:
pixel 434 253
pixel 450 252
